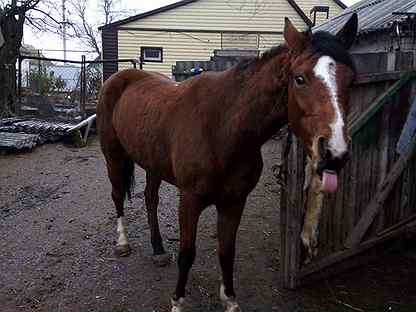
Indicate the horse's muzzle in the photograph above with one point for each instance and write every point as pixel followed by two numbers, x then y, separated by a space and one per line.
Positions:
pixel 327 160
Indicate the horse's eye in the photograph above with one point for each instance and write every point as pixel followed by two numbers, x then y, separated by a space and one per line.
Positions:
pixel 299 79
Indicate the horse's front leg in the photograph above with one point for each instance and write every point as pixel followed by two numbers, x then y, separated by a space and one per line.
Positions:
pixel 190 208
pixel 229 216
pixel 313 203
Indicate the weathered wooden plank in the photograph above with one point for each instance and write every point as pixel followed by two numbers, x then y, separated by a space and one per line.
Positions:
pixel 283 215
pixel 345 254
pixel 379 102
pixel 293 214
pixel 354 175
pixel 378 77
pixel 397 225
pixel 383 157
pixel 370 62
pixel 377 203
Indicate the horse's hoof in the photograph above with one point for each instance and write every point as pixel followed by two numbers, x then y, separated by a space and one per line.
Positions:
pixel 230 303
pixel 177 305
pixel 122 250
pixel 161 260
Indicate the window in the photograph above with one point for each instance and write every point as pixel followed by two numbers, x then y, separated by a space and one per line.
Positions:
pixel 151 54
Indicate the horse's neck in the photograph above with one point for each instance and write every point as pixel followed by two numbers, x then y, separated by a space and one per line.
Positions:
pixel 260 106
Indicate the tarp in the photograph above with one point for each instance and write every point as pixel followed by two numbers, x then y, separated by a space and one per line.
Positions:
pixel 408 132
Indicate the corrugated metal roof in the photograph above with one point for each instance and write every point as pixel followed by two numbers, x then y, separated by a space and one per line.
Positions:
pixel 373 15
pixel 18 140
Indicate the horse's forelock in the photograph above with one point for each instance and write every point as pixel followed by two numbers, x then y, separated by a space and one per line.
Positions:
pixel 324 43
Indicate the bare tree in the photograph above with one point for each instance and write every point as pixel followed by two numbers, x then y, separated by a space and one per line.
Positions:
pixel 78 25
pixel 12 18
pixel 46 16
pixel 84 29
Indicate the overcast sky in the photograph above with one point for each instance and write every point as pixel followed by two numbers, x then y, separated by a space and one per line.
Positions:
pixel 47 42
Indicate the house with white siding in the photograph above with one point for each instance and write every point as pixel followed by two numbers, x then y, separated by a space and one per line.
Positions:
pixel 192 29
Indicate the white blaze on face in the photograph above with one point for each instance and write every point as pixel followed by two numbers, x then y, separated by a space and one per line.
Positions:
pixel 122 233
pixel 325 69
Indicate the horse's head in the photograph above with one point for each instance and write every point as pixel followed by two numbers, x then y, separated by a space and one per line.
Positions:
pixel 321 74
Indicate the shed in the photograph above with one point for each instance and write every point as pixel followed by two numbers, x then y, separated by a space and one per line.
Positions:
pixel 193 29
pixel 384 25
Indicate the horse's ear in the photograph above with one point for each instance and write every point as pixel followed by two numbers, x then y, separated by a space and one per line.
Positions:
pixel 295 39
pixel 348 33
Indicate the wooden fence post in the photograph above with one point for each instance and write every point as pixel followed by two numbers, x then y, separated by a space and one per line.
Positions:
pixel 291 213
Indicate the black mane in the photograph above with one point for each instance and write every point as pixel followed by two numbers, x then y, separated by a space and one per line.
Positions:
pixel 322 43
pixel 265 57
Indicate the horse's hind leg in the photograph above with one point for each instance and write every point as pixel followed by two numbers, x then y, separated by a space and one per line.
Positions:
pixel 152 201
pixel 120 172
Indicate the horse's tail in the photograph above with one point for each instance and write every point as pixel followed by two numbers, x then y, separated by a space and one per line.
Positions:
pixel 109 96
pixel 128 178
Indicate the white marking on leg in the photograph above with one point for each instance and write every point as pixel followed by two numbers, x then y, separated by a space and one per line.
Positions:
pixel 177 305
pixel 230 303
pixel 325 69
pixel 122 233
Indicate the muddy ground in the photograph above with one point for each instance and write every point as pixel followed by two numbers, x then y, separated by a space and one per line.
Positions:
pixel 57 230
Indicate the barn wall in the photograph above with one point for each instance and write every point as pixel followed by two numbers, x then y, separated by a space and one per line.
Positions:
pixel 180 46
pixel 193 31
pixel 176 46
pixel 239 15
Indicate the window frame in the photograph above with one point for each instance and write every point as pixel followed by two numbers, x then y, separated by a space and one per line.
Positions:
pixel 152 60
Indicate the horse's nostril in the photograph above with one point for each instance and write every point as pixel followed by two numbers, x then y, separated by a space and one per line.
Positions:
pixel 323 147
pixel 345 156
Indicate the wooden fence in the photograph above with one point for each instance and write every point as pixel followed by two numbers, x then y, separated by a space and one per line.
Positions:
pixel 376 200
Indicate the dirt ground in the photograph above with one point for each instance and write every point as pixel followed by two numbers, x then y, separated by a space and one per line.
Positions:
pixel 57 230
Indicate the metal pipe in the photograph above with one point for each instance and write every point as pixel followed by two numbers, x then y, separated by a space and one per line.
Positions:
pixel 19 84
pixel 82 123
pixel 78 62
pixel 83 92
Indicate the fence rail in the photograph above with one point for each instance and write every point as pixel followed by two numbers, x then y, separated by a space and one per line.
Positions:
pixel 59 88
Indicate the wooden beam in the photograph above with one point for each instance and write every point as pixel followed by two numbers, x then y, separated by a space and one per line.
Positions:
pixel 291 213
pixel 379 77
pixel 342 255
pixel 370 212
pixel 398 225
pixel 357 124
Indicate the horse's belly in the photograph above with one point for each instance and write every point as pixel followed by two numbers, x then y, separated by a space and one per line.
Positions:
pixel 144 139
pixel 242 177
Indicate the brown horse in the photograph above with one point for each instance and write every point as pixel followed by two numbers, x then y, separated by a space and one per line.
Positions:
pixel 204 135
